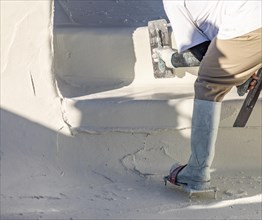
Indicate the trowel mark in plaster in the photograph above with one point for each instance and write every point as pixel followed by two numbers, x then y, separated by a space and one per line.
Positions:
pixel 73 131
pixel 32 83
pixel 104 176
pixel 63 109
pixel 12 39
pixel 15 30
pixel 62 173
pixel 40 197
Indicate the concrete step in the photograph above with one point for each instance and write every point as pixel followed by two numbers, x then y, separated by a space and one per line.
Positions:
pixel 105 77
pixel 141 108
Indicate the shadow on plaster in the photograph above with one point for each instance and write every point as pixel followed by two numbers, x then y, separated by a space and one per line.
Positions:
pixel 49 170
pixel 92 60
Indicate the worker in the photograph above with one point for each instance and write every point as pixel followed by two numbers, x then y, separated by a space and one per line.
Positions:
pixel 225 36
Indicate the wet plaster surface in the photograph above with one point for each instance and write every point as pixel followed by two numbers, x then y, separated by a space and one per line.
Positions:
pixel 48 173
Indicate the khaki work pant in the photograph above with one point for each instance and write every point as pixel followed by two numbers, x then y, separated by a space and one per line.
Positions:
pixel 228 63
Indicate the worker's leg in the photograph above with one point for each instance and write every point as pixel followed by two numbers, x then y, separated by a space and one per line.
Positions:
pixel 227 63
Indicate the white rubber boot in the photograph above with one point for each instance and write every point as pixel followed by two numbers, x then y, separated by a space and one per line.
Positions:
pixel 205 122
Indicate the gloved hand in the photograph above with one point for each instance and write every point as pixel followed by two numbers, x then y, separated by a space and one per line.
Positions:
pixel 165 54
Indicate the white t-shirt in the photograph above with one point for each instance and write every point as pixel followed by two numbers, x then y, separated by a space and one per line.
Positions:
pixel 195 22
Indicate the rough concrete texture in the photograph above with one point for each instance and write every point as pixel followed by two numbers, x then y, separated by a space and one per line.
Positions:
pixel 51 170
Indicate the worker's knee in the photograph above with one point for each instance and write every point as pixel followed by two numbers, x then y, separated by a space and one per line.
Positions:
pixel 210 91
